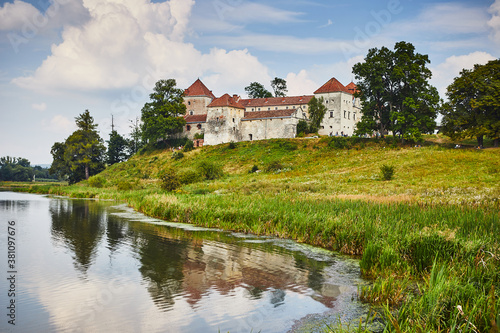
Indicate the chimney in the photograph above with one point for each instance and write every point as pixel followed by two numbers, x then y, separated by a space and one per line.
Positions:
pixel 236 98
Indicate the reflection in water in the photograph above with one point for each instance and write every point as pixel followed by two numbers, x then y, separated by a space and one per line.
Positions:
pixel 136 274
pixel 79 224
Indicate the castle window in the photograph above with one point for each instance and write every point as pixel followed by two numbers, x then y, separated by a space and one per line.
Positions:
pixel 191 113
pixel 233 120
pixel 287 107
pixel 354 115
pixel 268 109
pixel 259 109
pixel 253 109
pixel 348 115
pixel 188 127
pixel 345 113
pixel 276 108
pixel 250 136
pixel 198 126
pixel 189 103
pixel 331 114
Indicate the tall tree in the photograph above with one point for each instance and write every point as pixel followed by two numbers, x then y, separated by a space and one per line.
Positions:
pixel 257 90
pixel 279 87
pixel 117 147
pixel 135 142
pixel 82 154
pixel 317 110
pixel 473 109
pixel 396 95
pixel 162 116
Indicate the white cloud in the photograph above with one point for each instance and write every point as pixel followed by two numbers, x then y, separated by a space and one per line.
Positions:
pixel 444 73
pixel 13 16
pixel 125 40
pixel 494 22
pixel 40 106
pixel 300 84
pixel 59 124
pixel 23 17
pixel 329 23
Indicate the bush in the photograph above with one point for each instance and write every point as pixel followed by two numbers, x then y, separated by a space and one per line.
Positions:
pixel 190 176
pixel 199 136
pixel 210 170
pixel 97 181
pixel 302 128
pixel 188 146
pixel 124 186
pixel 231 145
pixel 170 180
pixel 387 172
pixel 254 169
pixel 274 166
pixel 177 155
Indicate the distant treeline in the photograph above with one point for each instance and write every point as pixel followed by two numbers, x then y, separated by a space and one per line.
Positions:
pixel 20 170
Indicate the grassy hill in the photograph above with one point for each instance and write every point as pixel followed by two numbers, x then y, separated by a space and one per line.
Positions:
pixel 430 236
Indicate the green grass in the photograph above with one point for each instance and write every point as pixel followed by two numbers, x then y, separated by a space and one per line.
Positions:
pixel 429 236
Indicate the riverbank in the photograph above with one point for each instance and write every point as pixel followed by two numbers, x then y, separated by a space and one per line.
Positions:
pixel 430 236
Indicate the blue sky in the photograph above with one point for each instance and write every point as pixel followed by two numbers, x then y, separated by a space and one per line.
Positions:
pixel 60 57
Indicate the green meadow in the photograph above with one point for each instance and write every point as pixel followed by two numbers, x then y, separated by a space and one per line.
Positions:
pixel 428 238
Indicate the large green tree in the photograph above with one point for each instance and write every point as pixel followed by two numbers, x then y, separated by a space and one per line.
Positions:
pixel 162 117
pixel 473 109
pixel 117 148
pixel 279 87
pixel 395 93
pixel 257 90
pixel 82 154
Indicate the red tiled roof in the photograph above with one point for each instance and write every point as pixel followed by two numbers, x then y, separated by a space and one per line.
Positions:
pixel 275 101
pixel 196 118
pixel 268 114
pixel 352 87
pixel 198 89
pixel 333 85
pixel 226 100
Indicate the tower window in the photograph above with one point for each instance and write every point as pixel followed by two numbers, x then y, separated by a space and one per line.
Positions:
pixel 188 127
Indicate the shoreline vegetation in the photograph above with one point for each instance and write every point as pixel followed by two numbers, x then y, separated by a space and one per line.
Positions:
pixel 428 237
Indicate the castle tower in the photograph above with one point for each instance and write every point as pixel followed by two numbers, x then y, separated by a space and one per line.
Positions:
pixel 196 98
pixel 341 117
pixel 224 117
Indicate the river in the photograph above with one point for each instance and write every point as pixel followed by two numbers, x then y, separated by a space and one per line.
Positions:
pixel 98 266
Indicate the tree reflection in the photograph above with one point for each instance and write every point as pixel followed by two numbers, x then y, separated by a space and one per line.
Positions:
pixel 79 225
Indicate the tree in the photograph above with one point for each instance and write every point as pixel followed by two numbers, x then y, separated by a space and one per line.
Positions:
pixel 82 154
pixel 117 147
pixel 257 90
pixel 317 110
pixel 162 116
pixel 395 93
pixel 473 109
pixel 135 142
pixel 279 87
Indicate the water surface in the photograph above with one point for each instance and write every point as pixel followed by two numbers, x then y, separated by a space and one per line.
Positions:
pixel 89 266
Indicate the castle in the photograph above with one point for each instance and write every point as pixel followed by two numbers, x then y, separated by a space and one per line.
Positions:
pixel 231 118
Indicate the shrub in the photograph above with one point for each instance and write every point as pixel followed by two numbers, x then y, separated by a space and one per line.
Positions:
pixel 199 136
pixel 302 128
pixel 177 155
pixel 188 146
pixel 231 145
pixel 124 186
pixel 274 166
pixel 387 172
pixel 170 180
pixel 210 170
pixel 97 181
pixel 254 169
pixel 338 142
pixel 190 176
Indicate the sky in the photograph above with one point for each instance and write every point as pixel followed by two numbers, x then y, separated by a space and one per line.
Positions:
pixel 59 58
